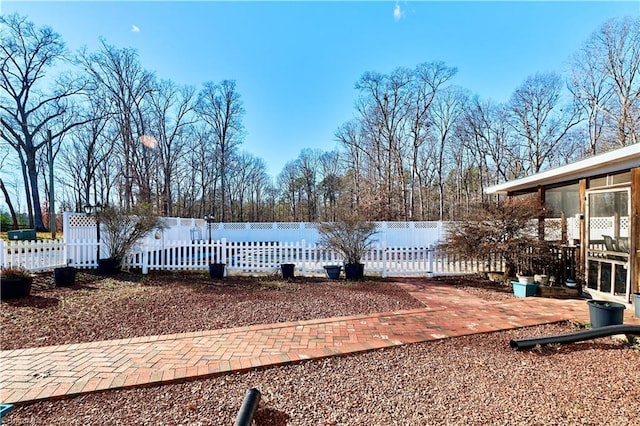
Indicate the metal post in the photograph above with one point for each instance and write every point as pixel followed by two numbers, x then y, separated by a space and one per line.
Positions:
pixel 209 219
pixel 52 211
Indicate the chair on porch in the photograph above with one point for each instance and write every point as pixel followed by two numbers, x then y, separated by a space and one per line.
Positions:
pixel 622 244
pixel 609 243
pixel 612 245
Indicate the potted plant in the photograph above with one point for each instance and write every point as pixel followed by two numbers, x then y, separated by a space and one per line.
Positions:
pixel 603 313
pixel 287 270
pixel 352 238
pixel 122 229
pixel 65 276
pixel 332 271
pixel 216 270
pixel 524 289
pixel 15 281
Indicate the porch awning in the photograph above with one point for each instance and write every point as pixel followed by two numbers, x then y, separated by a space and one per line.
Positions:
pixel 609 162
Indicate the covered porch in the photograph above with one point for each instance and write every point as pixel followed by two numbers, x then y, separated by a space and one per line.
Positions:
pixel 595 204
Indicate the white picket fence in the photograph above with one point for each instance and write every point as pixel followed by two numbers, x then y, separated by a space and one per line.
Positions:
pixel 33 255
pixel 239 256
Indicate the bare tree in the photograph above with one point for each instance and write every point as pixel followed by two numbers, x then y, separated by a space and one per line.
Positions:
pixel 350 136
pixel 171 112
pixel 220 106
pixel 291 186
pixel 446 110
pixel 88 147
pixel 383 108
pixel 428 80
pixel 606 79
pixel 540 120
pixel 27 110
pixel 5 193
pixel 127 84
pixel 331 184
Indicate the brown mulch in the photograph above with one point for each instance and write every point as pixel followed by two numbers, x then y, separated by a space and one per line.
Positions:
pixel 471 380
pixel 131 305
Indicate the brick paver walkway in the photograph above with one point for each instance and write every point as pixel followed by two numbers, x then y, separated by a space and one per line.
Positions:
pixel 57 371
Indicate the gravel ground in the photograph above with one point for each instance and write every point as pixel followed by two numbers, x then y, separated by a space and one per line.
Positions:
pixel 474 380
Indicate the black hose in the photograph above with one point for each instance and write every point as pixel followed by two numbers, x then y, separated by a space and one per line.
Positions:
pixel 610 330
pixel 248 408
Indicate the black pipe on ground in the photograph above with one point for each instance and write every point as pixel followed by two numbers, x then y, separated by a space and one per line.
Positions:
pixel 248 408
pixel 610 330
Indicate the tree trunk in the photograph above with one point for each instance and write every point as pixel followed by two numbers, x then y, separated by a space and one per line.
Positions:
pixel 38 225
pixel 14 216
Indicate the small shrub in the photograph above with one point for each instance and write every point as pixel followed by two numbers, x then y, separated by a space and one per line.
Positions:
pixel 351 237
pixel 14 272
pixel 123 229
pixel 508 228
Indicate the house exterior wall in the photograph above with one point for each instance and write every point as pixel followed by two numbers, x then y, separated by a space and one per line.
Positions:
pixel 634 222
pixel 634 242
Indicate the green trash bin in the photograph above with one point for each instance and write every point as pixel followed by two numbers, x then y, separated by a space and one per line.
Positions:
pixel 22 235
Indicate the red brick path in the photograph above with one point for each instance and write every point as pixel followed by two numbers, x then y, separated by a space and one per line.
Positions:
pixel 56 371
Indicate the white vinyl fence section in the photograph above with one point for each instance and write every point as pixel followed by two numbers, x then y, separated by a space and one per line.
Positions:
pixel 239 256
pixel 33 255
pixel 79 226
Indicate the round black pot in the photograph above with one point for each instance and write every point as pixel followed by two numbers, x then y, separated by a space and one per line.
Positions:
pixel 287 270
pixel 354 271
pixel 603 313
pixel 65 277
pixel 109 266
pixel 216 271
pixel 333 271
pixel 13 288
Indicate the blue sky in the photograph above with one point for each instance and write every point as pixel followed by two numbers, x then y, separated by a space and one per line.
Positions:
pixel 296 63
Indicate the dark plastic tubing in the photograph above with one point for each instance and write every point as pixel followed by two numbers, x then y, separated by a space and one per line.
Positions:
pixel 610 330
pixel 248 408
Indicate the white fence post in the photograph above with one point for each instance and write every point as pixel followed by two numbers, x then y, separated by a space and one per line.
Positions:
pixel 145 266
pixel 223 250
pixel 384 259
pixel 431 271
pixel 303 256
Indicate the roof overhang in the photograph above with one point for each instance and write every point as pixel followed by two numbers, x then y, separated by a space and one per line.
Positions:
pixel 609 162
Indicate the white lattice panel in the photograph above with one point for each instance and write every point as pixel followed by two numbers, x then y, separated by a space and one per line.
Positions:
pixel 624 226
pixel 235 226
pixel 261 226
pixel 82 220
pixel 426 225
pixel 604 223
pixel 398 225
pixel 288 225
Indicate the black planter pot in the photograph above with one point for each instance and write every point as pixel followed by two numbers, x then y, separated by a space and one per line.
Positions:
pixel 354 271
pixel 333 271
pixel 65 277
pixel 603 313
pixel 109 266
pixel 287 270
pixel 216 270
pixel 13 288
